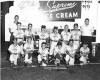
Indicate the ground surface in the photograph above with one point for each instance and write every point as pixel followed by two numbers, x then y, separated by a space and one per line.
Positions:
pixel 86 72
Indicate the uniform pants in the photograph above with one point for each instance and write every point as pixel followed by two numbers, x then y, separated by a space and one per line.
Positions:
pixel 70 60
pixel 13 58
pixel 53 45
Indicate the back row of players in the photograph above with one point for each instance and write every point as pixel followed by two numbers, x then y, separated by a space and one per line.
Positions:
pixel 62 46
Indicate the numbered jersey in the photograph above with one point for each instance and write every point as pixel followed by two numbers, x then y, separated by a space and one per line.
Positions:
pixel 14 49
pixel 76 34
pixel 55 37
pixel 66 36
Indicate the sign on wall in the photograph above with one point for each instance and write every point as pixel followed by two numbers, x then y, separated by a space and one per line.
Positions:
pixel 61 10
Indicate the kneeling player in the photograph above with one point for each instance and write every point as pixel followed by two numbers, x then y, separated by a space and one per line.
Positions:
pixel 58 52
pixel 70 56
pixel 28 48
pixel 43 55
pixel 15 51
pixel 84 51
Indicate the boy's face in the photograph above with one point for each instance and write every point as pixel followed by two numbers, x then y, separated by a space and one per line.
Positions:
pixel 29 40
pixel 43 29
pixel 86 22
pixel 55 30
pixel 43 46
pixel 16 18
pixel 85 45
pixel 30 27
pixel 59 46
pixel 71 43
pixel 15 41
pixel 66 28
pixel 75 27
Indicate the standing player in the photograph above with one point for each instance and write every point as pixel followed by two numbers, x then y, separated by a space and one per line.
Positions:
pixel 18 33
pixel 29 31
pixel 75 35
pixel 15 51
pixel 13 27
pixel 43 35
pixel 65 35
pixel 28 48
pixel 70 50
pixel 84 51
pixel 55 37
pixel 43 54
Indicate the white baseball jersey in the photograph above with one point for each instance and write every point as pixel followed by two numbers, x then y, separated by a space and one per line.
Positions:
pixel 71 50
pixel 85 51
pixel 66 35
pixel 55 37
pixel 43 52
pixel 14 49
pixel 59 51
pixel 87 30
pixel 43 35
pixel 29 47
pixel 18 33
pixel 76 34
pixel 28 33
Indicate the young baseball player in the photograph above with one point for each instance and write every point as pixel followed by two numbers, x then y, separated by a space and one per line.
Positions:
pixel 15 51
pixel 75 35
pixel 65 35
pixel 70 53
pixel 43 54
pixel 55 37
pixel 29 31
pixel 28 48
pixel 84 51
pixel 43 35
pixel 19 34
pixel 58 53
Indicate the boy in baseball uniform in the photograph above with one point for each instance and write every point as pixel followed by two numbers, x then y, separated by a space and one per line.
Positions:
pixel 55 37
pixel 15 51
pixel 84 51
pixel 28 48
pixel 43 54
pixel 70 53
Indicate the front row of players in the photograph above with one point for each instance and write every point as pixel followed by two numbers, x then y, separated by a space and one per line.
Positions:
pixel 66 53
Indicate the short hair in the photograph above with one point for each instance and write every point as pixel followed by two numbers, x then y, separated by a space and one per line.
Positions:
pixel 29 24
pixel 59 43
pixel 70 41
pixel 76 24
pixel 29 37
pixel 43 26
pixel 16 16
pixel 19 23
pixel 43 43
pixel 86 19
pixel 55 27
pixel 14 39
pixel 66 25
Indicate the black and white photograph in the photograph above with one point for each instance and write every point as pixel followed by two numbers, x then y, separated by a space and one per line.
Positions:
pixel 50 39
